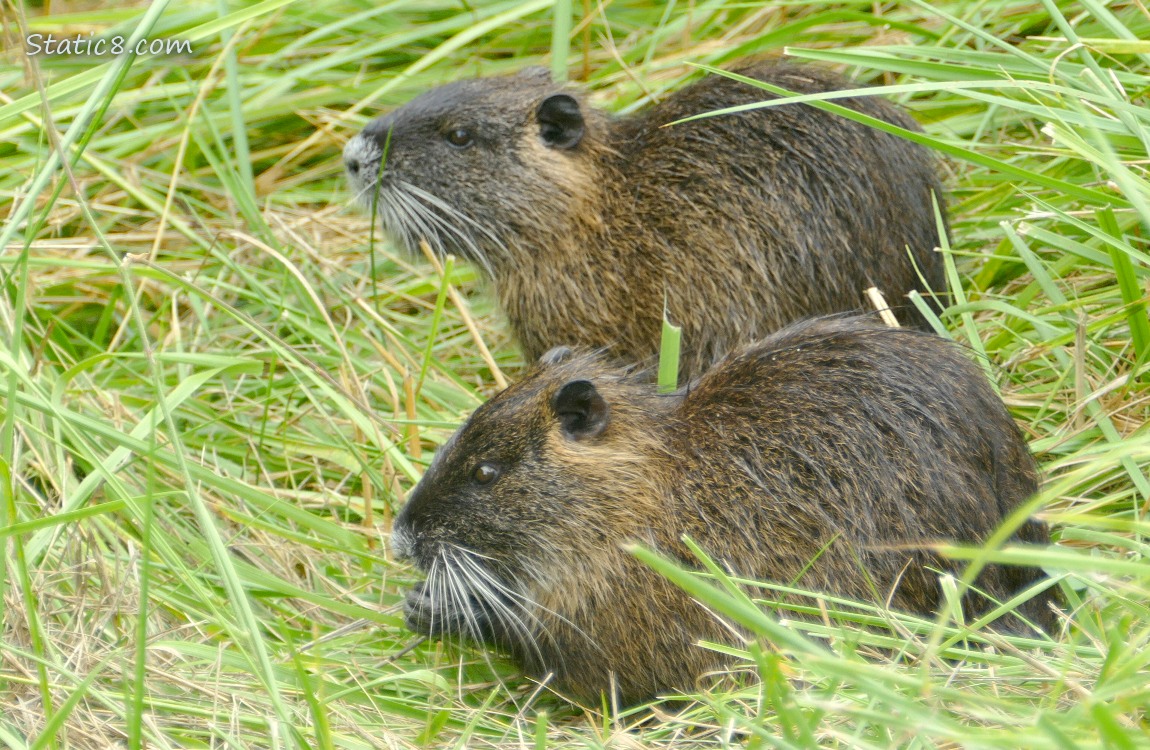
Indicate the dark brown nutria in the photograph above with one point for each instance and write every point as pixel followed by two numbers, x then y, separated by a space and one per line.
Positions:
pixel 830 432
pixel 586 223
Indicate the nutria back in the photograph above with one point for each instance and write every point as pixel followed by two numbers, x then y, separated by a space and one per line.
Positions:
pixel 587 224
pixel 830 454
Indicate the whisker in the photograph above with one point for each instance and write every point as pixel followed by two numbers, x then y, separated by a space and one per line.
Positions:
pixel 467 598
pixel 511 593
pixel 413 218
pixel 408 213
pixel 462 588
pixel 524 604
pixel 511 620
pixel 457 223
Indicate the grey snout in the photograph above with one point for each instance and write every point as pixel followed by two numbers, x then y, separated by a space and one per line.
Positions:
pixel 357 154
pixel 361 160
pixel 402 545
pixel 351 164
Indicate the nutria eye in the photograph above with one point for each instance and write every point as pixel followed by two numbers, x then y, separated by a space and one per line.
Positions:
pixel 460 137
pixel 485 473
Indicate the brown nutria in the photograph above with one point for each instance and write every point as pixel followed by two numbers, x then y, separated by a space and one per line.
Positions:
pixel 586 224
pixel 837 433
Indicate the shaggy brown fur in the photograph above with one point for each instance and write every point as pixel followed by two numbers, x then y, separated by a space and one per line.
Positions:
pixel 742 223
pixel 836 432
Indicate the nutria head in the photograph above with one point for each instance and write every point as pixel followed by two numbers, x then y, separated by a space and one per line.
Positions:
pixel 472 165
pixel 535 495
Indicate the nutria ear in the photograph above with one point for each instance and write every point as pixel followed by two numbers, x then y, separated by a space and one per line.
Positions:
pixel 555 355
pixel 560 121
pixel 582 412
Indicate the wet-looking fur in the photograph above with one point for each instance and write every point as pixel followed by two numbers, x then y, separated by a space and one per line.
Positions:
pixel 587 223
pixel 838 432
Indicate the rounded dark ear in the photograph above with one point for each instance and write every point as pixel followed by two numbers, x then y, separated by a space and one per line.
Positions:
pixel 581 411
pixel 555 355
pixel 560 121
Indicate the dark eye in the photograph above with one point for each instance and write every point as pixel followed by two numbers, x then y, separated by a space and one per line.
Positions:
pixel 460 137
pixel 485 473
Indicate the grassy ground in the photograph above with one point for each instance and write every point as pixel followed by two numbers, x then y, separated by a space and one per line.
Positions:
pixel 216 385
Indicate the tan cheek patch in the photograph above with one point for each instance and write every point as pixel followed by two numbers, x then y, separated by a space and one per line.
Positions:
pixel 556 166
pixel 624 476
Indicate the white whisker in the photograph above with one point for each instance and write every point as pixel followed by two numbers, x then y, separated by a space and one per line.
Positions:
pixel 409 213
pixel 477 581
pixel 466 596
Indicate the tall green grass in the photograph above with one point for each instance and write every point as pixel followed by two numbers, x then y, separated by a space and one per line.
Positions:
pixel 217 382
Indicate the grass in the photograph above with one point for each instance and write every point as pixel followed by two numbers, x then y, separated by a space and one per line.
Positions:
pixel 218 383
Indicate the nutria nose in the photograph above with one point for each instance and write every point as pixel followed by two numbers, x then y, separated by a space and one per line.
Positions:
pixel 358 156
pixel 402 544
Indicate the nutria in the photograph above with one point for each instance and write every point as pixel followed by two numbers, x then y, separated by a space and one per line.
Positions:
pixel 868 440
pixel 586 223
